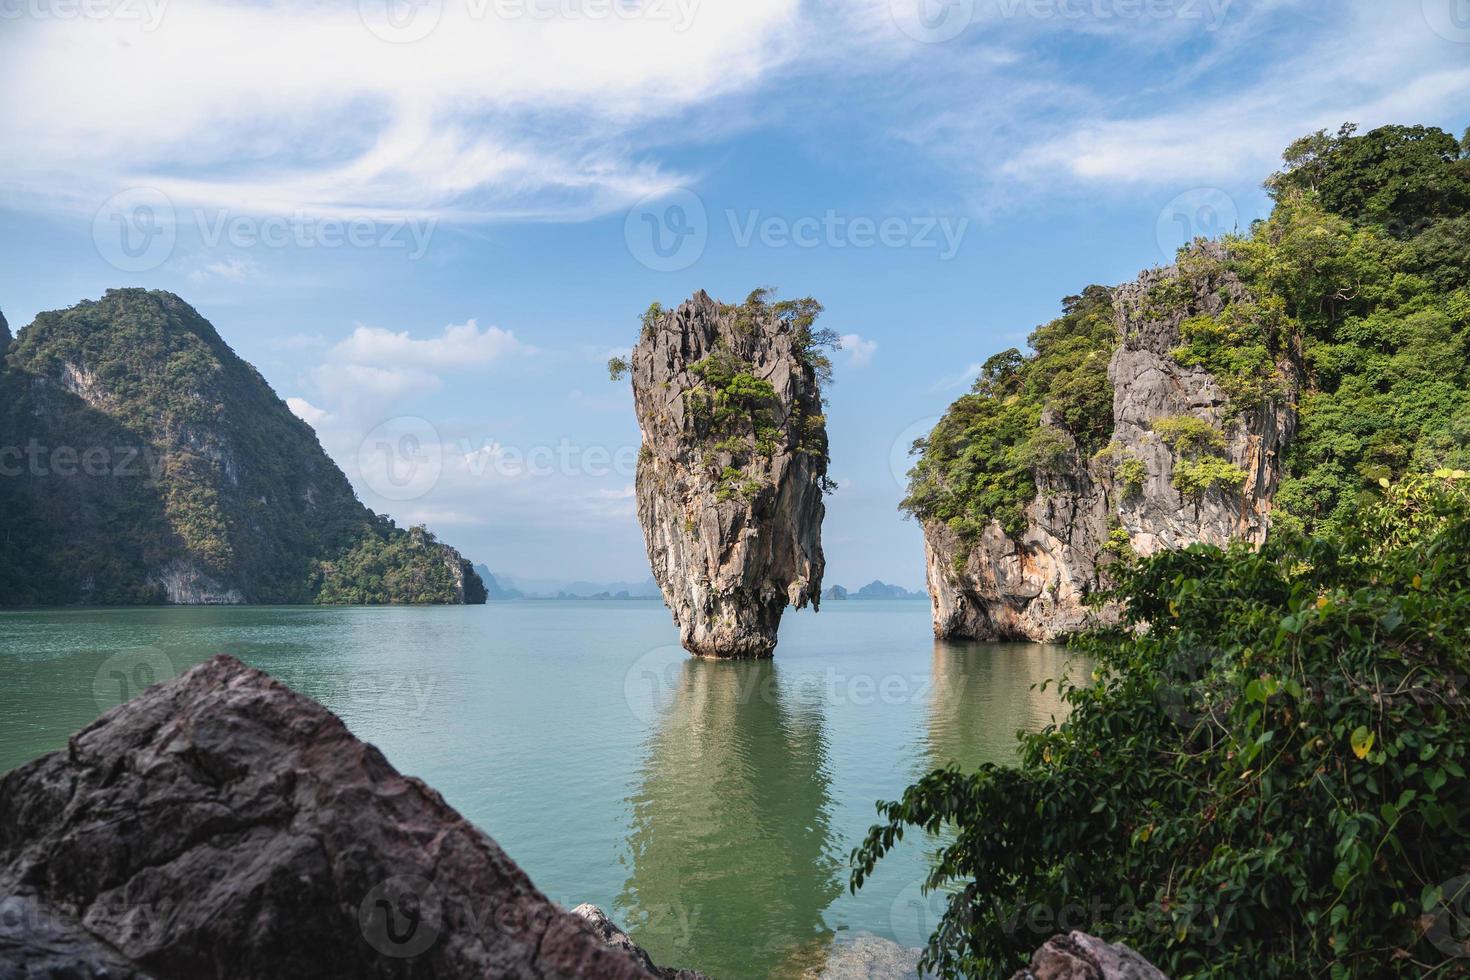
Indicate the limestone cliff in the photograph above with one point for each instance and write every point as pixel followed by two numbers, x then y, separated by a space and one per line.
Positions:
pixel 1090 506
pixel 733 467
pixel 141 460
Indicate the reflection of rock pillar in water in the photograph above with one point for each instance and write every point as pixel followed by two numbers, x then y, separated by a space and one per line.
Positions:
pixel 731 850
pixel 982 694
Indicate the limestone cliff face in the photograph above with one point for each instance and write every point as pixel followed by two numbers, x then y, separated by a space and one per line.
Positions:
pixel 1034 587
pixel 732 472
pixel 142 461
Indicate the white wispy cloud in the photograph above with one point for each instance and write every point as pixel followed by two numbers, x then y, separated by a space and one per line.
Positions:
pixel 281 108
pixel 859 350
pixel 459 347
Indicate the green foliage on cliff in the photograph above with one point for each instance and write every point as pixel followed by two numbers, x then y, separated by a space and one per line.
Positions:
pixel 389 566
pixel 1265 779
pixel 981 460
pixel 1359 281
pixel 184 459
pixel 1367 254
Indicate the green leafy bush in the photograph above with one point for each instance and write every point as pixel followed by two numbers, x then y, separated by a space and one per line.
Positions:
pixel 1266 777
pixel 1188 435
pixel 980 461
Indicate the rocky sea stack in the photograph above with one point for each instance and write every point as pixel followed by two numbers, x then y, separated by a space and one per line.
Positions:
pixel 734 465
pixel 1132 447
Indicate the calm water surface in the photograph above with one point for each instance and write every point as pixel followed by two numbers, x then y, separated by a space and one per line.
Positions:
pixel 709 807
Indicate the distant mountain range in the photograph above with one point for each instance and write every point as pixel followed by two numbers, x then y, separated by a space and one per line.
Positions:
pixel 874 590
pixel 503 586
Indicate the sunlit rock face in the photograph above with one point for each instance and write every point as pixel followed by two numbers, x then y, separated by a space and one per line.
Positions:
pixel 1035 586
pixel 732 471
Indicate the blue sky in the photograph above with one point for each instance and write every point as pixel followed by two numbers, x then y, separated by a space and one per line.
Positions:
pixel 429 222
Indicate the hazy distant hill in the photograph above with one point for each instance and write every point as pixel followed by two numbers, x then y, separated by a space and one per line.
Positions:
pixel 873 590
pixel 142 461
pixel 502 586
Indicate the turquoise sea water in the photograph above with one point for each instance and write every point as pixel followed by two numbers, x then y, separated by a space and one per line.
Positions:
pixel 708 807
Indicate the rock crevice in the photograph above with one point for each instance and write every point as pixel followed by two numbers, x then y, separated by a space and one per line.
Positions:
pixel 1034 586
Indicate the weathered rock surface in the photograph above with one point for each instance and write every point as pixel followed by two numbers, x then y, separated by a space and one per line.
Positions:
pixel 732 518
pixel 1034 588
pixel 5 337
pixel 609 933
pixel 1078 956
pixel 222 826
pixel 143 461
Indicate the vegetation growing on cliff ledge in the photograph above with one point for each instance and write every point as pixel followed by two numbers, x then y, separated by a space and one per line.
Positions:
pixel 981 460
pixel 1360 278
pixel 1266 778
pixel 390 567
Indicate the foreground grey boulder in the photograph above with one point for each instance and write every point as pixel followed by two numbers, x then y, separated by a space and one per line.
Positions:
pixel 733 468
pixel 1078 956
pixel 609 933
pixel 222 826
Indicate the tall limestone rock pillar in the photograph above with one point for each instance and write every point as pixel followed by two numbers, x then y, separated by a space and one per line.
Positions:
pixel 733 466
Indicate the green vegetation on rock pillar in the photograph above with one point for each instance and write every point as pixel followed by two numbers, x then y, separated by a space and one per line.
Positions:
pixel 733 467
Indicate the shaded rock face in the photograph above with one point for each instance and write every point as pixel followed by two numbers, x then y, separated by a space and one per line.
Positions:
pixel 221 825
pixel 5 337
pixel 1078 956
pixel 143 461
pixel 732 516
pixel 1034 588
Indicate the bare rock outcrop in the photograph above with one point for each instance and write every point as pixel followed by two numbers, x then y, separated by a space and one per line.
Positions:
pixel 1034 587
pixel 733 469
pixel 222 826
pixel 1078 956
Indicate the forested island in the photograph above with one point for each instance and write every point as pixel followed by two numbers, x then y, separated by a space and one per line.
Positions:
pixel 145 462
pixel 1269 379
pixel 1265 775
